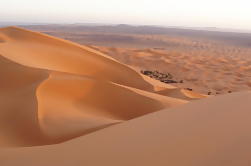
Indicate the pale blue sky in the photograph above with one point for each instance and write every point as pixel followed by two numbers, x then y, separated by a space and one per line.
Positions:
pixel 195 13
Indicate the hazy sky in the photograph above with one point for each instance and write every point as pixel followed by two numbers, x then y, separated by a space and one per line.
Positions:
pixel 203 13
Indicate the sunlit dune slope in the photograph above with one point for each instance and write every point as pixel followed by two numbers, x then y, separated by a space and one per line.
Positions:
pixel 214 131
pixel 54 90
pixel 42 51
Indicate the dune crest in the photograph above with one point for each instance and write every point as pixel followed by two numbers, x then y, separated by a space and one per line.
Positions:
pixel 34 49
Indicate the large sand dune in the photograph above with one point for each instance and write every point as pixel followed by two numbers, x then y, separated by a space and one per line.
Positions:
pixel 67 104
pixel 53 90
pixel 41 51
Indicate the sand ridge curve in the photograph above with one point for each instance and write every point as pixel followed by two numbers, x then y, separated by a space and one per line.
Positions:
pixel 55 90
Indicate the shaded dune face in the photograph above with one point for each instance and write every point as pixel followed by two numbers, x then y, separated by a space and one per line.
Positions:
pixel 54 90
pixel 18 104
pixel 87 92
pixel 83 103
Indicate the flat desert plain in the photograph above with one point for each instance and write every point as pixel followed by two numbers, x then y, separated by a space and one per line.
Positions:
pixel 84 101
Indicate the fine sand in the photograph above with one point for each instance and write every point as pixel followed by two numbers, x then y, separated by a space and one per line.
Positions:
pixel 217 69
pixel 54 90
pixel 209 61
pixel 206 132
pixel 67 104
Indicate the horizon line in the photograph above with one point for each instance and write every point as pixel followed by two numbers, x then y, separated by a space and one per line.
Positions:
pixel 199 28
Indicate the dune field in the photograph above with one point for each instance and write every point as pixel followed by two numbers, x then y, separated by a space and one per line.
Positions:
pixel 209 62
pixel 65 103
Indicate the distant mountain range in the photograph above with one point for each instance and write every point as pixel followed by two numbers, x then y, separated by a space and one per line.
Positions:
pixel 151 28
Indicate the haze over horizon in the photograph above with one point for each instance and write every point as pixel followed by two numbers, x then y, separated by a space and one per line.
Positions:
pixel 193 13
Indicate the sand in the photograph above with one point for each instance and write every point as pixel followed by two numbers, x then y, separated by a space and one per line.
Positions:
pixel 209 62
pixel 66 104
pixel 205 132
pixel 55 90
pixel 214 69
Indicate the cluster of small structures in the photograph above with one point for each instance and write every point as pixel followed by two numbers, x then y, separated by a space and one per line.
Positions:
pixel 166 78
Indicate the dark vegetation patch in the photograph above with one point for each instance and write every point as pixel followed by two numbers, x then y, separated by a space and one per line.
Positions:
pixel 163 77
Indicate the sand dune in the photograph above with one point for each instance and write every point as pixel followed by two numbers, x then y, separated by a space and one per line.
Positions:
pixel 66 104
pixel 93 102
pixel 208 70
pixel 55 90
pixel 35 50
pixel 205 132
pixel 19 122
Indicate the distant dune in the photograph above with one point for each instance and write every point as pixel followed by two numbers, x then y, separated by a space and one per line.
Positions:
pixel 204 71
pixel 63 103
pixel 207 61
